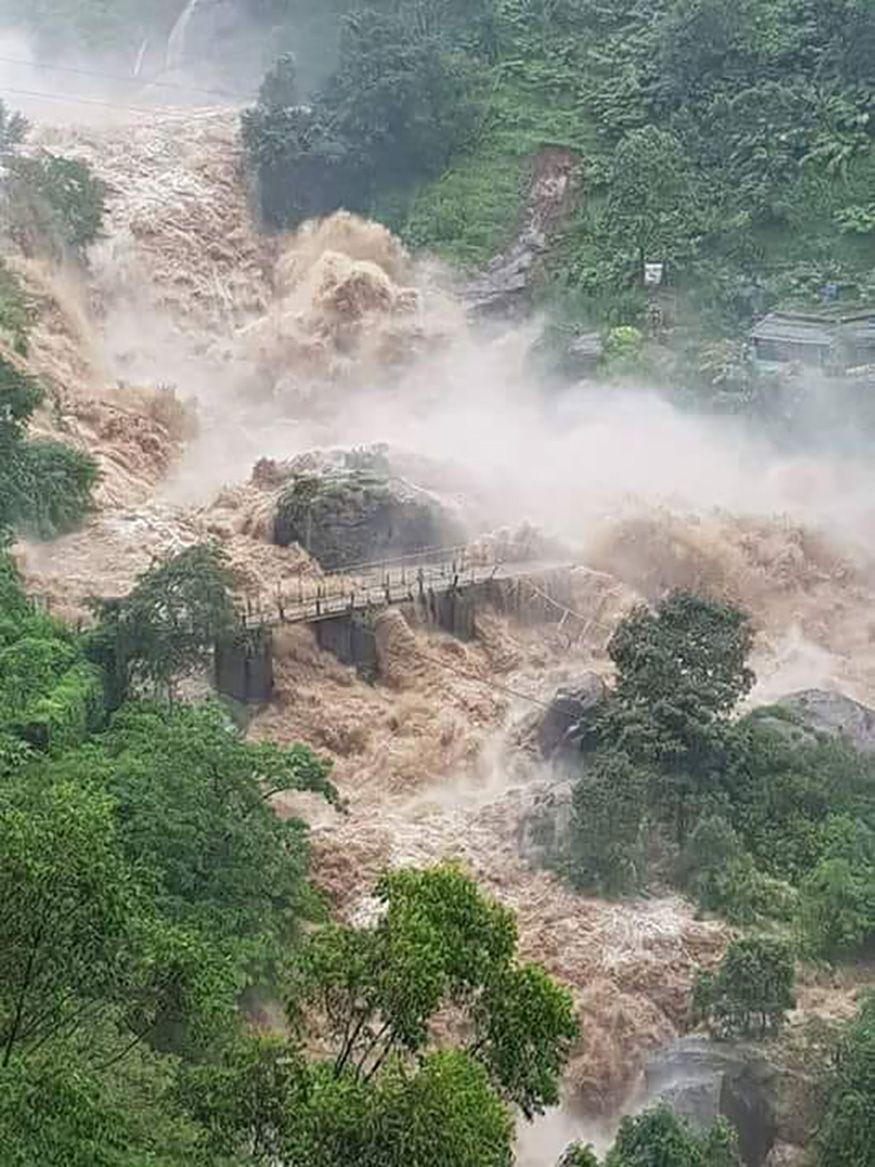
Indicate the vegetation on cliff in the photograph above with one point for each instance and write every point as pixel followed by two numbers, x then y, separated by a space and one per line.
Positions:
pixel 48 203
pixel 753 820
pixel 730 142
pixel 45 486
pixel 847 1131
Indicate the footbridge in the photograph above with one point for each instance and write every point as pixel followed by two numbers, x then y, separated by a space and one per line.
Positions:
pixel 367 587
pixel 440 586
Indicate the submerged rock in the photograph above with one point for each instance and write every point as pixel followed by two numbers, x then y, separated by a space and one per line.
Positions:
pixel 568 726
pixel 544 834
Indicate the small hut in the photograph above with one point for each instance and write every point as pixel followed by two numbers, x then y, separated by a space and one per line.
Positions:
pixel 833 339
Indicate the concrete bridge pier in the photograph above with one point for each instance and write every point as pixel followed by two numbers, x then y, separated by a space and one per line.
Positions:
pixel 244 665
pixel 454 611
pixel 350 638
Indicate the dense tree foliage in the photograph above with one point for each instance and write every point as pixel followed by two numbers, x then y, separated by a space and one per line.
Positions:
pixel 45 486
pixel 167 626
pixel 609 822
pixel 680 671
pixel 52 202
pixel 733 142
pixel 439 941
pixel 149 892
pixel 48 203
pixel 384 1093
pixel 394 111
pixel 442 1112
pixel 145 885
pixel 847 1133
pixel 753 818
pixel 50 696
pixel 15 312
pixel 658 1138
pixel 751 991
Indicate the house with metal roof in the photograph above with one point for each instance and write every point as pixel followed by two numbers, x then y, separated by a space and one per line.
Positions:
pixel 833 339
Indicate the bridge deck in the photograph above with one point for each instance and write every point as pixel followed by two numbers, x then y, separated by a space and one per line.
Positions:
pixel 341 593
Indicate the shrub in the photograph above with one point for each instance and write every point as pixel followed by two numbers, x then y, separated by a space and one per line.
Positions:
pixel 15 312
pixel 45 486
pixel 723 877
pixel 609 809
pixel 55 202
pixel 65 715
pixel 836 909
pixel 58 482
pixel 847 1132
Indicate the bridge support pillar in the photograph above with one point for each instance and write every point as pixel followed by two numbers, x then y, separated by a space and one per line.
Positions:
pixel 351 639
pixel 244 665
pixel 454 611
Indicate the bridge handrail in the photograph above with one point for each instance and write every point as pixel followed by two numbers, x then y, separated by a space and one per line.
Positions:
pixel 335 595
pixel 458 549
pixel 395 587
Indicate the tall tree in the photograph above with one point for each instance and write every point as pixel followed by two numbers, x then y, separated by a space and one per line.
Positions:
pixel 847 1132
pixel 194 810
pixel 69 910
pixel 752 990
pixel 381 1093
pixel 658 1138
pixel 167 626
pixel 652 212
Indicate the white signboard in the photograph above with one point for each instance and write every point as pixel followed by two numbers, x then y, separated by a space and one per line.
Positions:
pixel 653 273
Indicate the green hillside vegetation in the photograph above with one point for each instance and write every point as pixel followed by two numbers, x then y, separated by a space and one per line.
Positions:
pixel 733 142
pixel 847 1132
pixel 754 819
pixel 151 897
pixel 49 205
pixel 45 486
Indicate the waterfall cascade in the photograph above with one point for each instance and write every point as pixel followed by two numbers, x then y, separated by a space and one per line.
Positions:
pixel 175 54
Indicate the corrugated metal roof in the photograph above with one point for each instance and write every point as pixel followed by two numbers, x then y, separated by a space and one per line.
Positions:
pixel 861 332
pixel 783 330
pixel 817 326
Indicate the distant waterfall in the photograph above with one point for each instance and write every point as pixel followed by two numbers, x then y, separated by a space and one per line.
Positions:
pixel 176 41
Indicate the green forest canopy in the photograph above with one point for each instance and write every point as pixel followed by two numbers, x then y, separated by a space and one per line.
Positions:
pixel 752 816
pixel 733 141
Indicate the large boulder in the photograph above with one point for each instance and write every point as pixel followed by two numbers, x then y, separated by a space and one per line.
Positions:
pixel 703 1081
pixel 786 1155
pixel 826 712
pixel 568 726
pixel 348 517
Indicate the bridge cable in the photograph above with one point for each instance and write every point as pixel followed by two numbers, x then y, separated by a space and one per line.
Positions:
pixel 142 82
